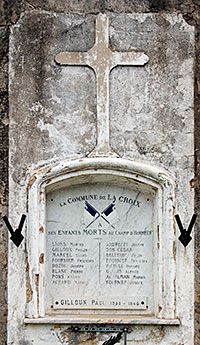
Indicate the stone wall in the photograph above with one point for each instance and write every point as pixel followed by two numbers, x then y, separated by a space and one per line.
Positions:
pixel 4 177
pixel 10 12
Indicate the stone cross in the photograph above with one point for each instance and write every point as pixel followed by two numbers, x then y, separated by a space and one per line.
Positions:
pixel 101 58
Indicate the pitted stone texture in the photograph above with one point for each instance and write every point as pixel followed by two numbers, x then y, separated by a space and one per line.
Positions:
pixel 52 109
pixel 102 60
pixel 61 335
pixel 10 10
pixel 36 119
pixel 151 108
pixel 4 33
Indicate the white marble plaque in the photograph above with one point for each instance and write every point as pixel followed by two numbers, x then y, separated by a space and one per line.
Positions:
pixel 99 248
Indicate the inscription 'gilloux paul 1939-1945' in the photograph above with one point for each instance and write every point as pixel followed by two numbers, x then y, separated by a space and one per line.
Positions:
pixel 100 243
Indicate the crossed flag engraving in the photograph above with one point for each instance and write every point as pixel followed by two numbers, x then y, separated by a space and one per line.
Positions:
pixel 96 214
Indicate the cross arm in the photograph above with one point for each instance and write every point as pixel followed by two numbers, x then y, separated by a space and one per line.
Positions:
pixel 68 58
pixel 129 58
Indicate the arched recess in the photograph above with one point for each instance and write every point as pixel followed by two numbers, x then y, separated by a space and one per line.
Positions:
pixel 143 199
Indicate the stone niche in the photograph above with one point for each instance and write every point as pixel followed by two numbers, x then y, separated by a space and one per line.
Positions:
pixel 104 245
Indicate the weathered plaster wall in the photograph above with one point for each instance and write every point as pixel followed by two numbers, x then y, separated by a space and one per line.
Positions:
pixel 42 85
pixel 10 14
pixel 4 178
pixel 52 117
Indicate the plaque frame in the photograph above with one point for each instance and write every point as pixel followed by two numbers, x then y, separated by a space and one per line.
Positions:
pixel 165 236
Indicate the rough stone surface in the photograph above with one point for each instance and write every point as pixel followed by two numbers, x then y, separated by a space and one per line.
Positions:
pixel 144 105
pixel 4 32
pixel 53 117
pixel 10 12
pixel 42 80
pixel 11 9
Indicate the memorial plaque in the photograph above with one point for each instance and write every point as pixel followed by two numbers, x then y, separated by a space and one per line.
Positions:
pixel 100 248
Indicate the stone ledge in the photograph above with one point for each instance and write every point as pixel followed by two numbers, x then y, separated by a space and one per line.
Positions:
pixel 102 320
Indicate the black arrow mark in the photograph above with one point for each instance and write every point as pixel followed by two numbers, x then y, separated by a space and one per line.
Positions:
pixel 16 235
pixel 185 237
